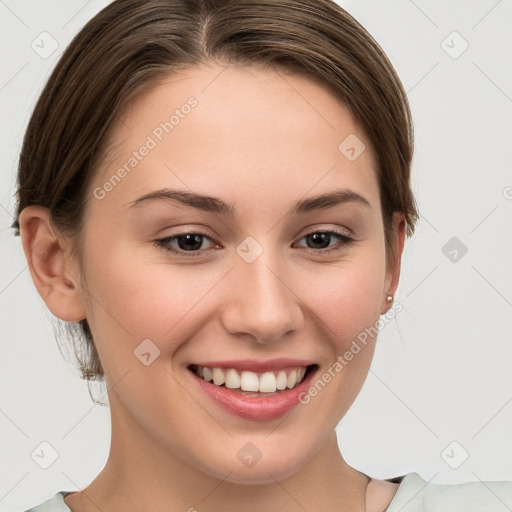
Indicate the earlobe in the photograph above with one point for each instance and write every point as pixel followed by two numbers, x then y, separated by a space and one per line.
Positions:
pixel 49 262
pixel 393 270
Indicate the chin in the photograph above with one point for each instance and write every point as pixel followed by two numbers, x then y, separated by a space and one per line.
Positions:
pixel 266 470
pixel 259 475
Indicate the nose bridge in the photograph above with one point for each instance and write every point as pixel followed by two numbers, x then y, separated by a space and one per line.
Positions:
pixel 262 303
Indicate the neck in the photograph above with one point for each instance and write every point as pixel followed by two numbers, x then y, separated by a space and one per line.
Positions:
pixel 141 474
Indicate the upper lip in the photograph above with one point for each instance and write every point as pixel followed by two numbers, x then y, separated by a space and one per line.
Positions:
pixel 256 366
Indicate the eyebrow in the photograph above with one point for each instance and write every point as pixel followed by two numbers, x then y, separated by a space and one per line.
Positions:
pixel 215 205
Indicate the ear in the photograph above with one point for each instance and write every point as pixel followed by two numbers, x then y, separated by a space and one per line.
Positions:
pixel 393 267
pixel 50 265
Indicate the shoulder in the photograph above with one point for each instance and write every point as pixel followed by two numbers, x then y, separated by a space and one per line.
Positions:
pixel 418 495
pixel 55 504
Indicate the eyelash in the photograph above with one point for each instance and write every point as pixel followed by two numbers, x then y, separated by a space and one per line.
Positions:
pixel 344 241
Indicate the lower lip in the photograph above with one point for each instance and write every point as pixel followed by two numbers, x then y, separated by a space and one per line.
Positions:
pixel 255 408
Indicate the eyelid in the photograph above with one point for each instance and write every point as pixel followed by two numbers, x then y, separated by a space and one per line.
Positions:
pixel 328 228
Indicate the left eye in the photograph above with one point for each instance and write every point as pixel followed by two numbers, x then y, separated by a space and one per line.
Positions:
pixel 320 237
pixel 189 244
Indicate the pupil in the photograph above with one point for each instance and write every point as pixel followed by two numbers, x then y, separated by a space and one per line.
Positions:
pixel 322 238
pixel 195 240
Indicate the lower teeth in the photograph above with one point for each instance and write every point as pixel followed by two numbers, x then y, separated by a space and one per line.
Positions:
pixel 253 393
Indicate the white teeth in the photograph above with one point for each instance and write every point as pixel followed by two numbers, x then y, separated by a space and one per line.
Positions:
pixel 249 381
pixel 218 376
pixel 232 379
pixel 281 380
pixel 292 379
pixel 207 374
pixel 267 382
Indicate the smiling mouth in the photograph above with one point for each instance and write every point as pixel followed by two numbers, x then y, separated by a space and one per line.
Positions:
pixel 253 383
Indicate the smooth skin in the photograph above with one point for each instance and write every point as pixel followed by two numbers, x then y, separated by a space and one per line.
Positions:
pixel 258 139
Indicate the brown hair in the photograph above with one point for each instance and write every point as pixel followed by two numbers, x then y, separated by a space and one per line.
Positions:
pixel 132 44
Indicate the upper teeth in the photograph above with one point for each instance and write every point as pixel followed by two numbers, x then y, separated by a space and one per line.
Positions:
pixel 266 382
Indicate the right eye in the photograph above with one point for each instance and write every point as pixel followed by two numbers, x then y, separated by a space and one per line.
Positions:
pixel 188 243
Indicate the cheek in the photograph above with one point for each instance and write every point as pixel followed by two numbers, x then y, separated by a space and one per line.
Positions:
pixel 134 298
pixel 347 296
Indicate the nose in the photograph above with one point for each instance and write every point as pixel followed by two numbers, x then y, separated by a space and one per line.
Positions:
pixel 261 301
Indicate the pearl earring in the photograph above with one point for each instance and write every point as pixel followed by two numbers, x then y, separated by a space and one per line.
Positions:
pixel 389 297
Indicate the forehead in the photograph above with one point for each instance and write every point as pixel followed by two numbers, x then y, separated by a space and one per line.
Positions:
pixel 242 128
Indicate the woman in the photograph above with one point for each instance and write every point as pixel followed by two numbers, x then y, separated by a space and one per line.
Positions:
pixel 219 194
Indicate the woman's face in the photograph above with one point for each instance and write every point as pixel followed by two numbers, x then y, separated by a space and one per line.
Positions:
pixel 258 283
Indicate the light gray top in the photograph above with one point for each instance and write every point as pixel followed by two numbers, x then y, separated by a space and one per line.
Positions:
pixel 413 495
pixel 418 495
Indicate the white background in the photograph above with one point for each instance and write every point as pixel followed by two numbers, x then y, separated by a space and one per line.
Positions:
pixel 442 369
